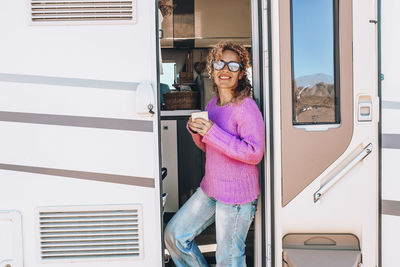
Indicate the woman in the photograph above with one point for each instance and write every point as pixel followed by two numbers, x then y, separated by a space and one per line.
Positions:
pixel 233 140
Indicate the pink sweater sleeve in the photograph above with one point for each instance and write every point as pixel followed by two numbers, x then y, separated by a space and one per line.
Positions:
pixel 249 145
pixel 197 138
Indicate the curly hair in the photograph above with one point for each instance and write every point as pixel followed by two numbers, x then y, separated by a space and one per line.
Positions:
pixel 244 88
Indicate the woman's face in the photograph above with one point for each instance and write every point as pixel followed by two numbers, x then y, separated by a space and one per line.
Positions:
pixel 226 79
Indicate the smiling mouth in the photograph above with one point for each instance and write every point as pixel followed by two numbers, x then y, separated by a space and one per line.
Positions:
pixel 224 77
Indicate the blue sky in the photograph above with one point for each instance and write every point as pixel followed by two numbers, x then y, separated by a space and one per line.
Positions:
pixel 313 37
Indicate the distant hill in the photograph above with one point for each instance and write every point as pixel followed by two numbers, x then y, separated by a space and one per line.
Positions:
pixel 313 79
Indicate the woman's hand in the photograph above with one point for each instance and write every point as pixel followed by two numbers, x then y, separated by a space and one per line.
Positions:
pixel 199 125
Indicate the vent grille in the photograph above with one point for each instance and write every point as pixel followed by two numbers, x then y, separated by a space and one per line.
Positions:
pixel 82 10
pixel 71 233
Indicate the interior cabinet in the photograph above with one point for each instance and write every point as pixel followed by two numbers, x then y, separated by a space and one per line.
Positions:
pixel 203 23
pixel 169 154
pixel 183 159
pixel 190 163
pixel 222 20
pixel 167 27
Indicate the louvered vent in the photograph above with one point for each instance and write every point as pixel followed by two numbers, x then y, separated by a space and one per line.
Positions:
pixel 83 10
pixel 85 233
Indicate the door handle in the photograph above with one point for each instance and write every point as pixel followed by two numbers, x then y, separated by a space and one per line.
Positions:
pixel 150 107
pixel 364 108
pixel 362 155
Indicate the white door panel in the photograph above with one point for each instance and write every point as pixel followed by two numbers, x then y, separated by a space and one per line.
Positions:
pixel 351 205
pixel 72 141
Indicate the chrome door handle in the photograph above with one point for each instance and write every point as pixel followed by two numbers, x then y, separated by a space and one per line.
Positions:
pixel 362 155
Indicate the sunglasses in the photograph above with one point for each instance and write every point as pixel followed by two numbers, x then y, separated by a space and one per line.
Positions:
pixel 232 65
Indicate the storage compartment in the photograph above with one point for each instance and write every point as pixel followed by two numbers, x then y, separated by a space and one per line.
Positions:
pixel 184 161
pixel 316 250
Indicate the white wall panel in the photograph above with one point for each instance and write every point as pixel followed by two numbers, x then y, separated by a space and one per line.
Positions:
pixel 390 43
pixel 390 174
pixel 78 148
pixel 390 241
pixel 391 121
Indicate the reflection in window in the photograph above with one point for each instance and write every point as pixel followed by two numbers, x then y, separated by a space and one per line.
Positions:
pixel 314 68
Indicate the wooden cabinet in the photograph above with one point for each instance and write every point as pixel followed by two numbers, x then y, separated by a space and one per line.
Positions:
pixel 203 23
pixel 222 20
pixel 167 25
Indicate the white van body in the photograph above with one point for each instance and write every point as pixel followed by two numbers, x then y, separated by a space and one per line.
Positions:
pixel 80 137
pixel 80 147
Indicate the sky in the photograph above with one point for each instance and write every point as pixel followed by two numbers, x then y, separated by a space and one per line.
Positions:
pixel 313 37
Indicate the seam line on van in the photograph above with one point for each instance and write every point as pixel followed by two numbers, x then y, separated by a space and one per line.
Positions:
pixel 93 176
pixel 75 82
pixel 391 141
pixel 391 207
pixel 78 121
pixel 390 105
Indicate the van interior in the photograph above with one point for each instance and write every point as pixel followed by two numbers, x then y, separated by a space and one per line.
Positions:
pixel 188 28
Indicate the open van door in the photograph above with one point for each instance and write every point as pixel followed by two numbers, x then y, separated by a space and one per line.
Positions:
pixel 325 128
pixel 79 161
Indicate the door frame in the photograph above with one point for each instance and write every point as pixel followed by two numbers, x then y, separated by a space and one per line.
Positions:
pixel 262 59
pixel 262 71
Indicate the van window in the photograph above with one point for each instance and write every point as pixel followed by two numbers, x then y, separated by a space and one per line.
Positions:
pixel 315 68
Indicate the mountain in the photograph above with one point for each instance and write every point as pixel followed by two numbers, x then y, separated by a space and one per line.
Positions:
pixel 313 79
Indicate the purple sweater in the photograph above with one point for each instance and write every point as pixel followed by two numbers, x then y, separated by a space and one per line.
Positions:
pixel 234 146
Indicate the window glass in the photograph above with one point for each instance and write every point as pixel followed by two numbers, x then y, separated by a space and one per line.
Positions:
pixel 314 70
pixel 168 76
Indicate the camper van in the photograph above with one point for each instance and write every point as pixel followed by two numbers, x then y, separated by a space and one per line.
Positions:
pixel 96 158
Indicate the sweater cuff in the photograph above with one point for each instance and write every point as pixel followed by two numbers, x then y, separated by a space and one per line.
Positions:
pixel 217 138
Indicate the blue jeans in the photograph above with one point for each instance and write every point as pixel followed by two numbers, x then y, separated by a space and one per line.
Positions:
pixel 232 223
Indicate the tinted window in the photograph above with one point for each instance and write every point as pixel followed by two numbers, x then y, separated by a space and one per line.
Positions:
pixel 314 68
